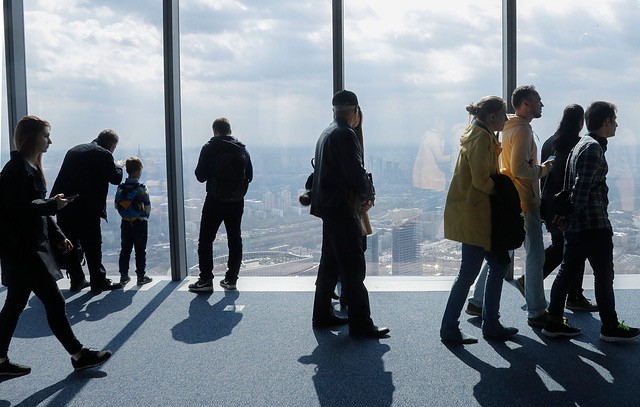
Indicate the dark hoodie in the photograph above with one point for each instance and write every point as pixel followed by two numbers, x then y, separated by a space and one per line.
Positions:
pixel 211 153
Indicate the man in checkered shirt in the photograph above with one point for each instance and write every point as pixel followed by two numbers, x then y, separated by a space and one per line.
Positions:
pixel 590 234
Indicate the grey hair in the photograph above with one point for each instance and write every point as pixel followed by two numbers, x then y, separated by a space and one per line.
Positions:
pixel 343 111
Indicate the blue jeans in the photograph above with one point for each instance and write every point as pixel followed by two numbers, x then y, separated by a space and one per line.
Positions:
pixel 597 246
pixel 472 258
pixel 534 264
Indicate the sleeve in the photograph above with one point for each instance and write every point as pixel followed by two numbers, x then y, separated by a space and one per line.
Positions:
pixel 522 165
pixel 117 197
pixel 585 171
pixel 55 233
pixel 350 162
pixel 111 172
pixel 203 169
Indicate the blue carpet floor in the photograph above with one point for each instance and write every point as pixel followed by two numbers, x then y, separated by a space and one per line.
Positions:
pixel 235 348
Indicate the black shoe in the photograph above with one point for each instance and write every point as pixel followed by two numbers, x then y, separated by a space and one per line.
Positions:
pixel 556 327
pixel 144 280
pixel 457 338
pixel 90 358
pixel 329 322
pixel 228 284
pixel 8 368
pixel 581 303
pixel 501 334
pixel 473 310
pixel 201 286
pixel 540 321
pixel 124 280
pixel 106 285
pixel 372 332
pixel 79 286
pixel 618 333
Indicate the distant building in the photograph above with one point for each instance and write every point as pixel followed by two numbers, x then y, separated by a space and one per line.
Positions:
pixel 405 246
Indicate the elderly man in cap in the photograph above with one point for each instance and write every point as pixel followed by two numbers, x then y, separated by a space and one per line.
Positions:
pixel 342 192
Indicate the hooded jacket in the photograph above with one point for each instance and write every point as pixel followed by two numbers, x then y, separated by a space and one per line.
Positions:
pixel 467 212
pixel 211 153
pixel 520 161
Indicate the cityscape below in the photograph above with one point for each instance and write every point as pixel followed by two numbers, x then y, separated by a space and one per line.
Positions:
pixel 280 237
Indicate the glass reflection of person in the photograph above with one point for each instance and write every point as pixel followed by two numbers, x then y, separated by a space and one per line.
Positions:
pixel 430 167
pixel 467 219
pixel 27 233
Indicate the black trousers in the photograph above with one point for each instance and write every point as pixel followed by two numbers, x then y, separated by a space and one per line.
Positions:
pixel 595 245
pixel 553 258
pixel 133 235
pixel 86 236
pixel 45 288
pixel 214 213
pixel 342 257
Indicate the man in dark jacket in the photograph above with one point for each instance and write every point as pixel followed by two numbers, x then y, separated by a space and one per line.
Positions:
pixel 342 192
pixel 225 165
pixel 87 171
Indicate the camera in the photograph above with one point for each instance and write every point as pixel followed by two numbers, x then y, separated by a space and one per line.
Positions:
pixel 305 198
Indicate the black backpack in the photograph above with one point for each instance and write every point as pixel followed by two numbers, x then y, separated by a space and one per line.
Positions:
pixel 231 177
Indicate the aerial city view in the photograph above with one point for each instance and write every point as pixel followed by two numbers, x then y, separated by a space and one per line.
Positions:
pixel 280 237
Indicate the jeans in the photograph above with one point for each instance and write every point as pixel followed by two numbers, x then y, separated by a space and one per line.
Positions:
pixel 534 263
pixel 133 234
pixel 597 246
pixel 46 289
pixel 214 213
pixel 472 258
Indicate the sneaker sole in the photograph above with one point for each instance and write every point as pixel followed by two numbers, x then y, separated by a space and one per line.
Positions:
pixel 558 334
pixel 80 368
pixel 228 287
pixel 617 338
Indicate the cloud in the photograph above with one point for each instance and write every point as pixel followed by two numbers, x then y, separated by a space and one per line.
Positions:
pixel 267 65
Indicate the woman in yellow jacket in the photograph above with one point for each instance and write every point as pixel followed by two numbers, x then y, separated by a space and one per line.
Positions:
pixel 467 219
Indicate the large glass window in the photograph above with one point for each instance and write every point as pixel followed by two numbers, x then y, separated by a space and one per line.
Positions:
pixel 266 66
pixel 576 53
pixel 97 65
pixel 415 66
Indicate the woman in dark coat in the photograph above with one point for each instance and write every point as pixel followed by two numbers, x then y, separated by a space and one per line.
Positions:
pixel 27 234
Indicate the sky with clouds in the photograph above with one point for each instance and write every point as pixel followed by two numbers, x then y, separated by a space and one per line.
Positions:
pixel 266 65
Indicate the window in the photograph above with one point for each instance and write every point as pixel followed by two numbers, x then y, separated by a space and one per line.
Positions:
pixel 266 66
pixel 574 52
pixel 96 65
pixel 415 66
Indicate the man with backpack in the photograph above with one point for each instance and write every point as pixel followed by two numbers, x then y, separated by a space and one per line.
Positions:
pixel 225 166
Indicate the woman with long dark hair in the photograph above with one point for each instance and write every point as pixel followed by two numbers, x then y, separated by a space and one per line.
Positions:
pixel 559 145
pixel 27 234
